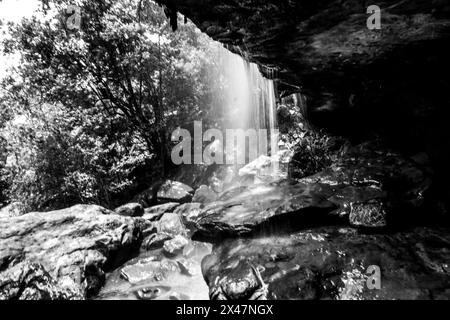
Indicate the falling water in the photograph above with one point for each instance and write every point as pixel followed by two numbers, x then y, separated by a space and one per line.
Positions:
pixel 249 99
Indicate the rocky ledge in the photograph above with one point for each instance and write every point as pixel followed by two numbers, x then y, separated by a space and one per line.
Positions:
pixel 63 254
pixel 332 263
pixel 367 188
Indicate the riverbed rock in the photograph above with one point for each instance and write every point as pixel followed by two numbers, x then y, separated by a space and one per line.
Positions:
pixel 155 241
pixel 74 246
pixel 332 263
pixel 266 169
pixel 30 281
pixel 155 276
pixel 167 228
pixel 370 214
pixel 188 213
pixel 148 268
pixel 174 191
pixel 172 225
pixel 368 187
pixel 273 206
pixel 176 245
pixel 130 210
pixel 156 212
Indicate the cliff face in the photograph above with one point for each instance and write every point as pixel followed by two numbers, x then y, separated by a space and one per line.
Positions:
pixel 322 40
pixel 392 81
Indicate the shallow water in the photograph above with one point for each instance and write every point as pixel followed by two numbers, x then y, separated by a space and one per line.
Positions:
pixel 156 276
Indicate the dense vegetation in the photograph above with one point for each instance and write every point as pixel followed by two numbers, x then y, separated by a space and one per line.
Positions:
pixel 87 115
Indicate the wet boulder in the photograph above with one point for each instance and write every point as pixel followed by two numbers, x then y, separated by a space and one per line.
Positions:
pixel 130 210
pixel 172 225
pixel 276 206
pixel 332 263
pixel 176 245
pixel 369 215
pixel 75 246
pixel 30 281
pixel 155 241
pixel 167 228
pixel 156 212
pixel 148 268
pixel 174 191
pixel 188 213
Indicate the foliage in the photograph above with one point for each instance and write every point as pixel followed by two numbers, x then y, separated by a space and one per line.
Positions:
pixel 90 110
pixel 314 150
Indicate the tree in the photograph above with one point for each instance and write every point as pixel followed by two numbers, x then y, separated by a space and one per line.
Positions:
pixel 107 94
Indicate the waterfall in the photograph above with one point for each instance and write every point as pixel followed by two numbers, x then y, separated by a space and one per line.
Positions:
pixel 249 100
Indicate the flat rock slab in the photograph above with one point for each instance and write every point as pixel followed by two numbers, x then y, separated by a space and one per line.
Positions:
pixel 156 212
pixel 251 208
pixel 174 191
pixel 332 263
pixel 75 246
pixel 365 188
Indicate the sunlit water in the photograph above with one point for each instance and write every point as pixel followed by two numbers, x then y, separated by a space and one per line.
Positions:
pixel 248 101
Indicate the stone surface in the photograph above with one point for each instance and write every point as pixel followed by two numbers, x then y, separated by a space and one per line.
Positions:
pixel 156 212
pixel 155 241
pixel 155 276
pixel 130 210
pixel 204 194
pixel 263 206
pixel 188 213
pixel 332 263
pixel 148 268
pixel 367 187
pixel 265 169
pixel 175 245
pixel 171 225
pixel 76 246
pixel 371 214
pixel 174 191
pixel 312 41
pixel 28 281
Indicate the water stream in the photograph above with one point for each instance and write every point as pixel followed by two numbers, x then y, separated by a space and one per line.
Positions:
pixel 248 101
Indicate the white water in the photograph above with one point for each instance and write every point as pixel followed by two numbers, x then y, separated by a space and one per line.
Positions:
pixel 248 99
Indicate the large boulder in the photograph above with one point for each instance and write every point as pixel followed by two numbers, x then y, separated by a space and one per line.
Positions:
pixel 189 213
pixel 367 187
pixel 30 281
pixel 156 212
pixel 274 206
pixel 176 245
pixel 332 263
pixel 130 210
pixel 174 191
pixel 171 224
pixel 75 247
